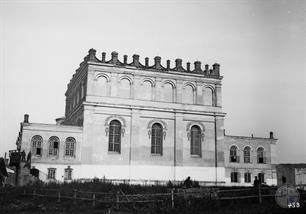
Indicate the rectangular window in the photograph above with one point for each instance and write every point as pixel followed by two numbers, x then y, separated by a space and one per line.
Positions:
pixel 261 178
pixel 68 173
pixel 234 177
pixel 247 177
pixel 51 173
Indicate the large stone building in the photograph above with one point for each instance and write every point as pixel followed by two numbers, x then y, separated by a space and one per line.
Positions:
pixel 139 122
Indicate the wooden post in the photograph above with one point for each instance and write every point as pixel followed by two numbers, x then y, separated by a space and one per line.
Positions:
pixel 94 200
pixel 59 196
pixel 74 197
pixel 259 194
pixel 117 200
pixel 172 198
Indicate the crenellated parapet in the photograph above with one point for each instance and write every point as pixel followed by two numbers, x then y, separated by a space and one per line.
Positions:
pixel 207 71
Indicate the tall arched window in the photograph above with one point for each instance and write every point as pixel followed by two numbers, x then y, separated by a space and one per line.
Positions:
pixel 70 147
pixel 195 143
pixel 124 88
pixel 247 154
pixel 146 90
pixel 114 140
pixel 37 145
pixel 233 154
pixel 208 96
pixel 53 146
pixel 260 155
pixel 168 93
pixel 157 139
pixel 188 95
pixel 102 86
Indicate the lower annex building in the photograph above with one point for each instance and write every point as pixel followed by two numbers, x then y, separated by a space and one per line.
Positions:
pixel 140 122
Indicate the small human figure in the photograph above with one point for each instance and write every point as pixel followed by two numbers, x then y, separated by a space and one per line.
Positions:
pixel 23 154
pixel 256 182
pixel 188 182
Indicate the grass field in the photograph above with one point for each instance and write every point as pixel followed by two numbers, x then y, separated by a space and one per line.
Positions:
pixel 86 197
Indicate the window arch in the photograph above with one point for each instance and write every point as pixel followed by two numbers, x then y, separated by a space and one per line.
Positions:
pixel 147 90
pixel 208 96
pixel 102 86
pixel 247 154
pixel 124 88
pixel 233 154
pixel 54 146
pixel 168 92
pixel 114 140
pixel 188 94
pixel 260 155
pixel 37 141
pixel 70 146
pixel 157 139
pixel 195 142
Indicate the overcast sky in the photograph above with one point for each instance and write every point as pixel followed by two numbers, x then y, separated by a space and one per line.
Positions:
pixel 259 44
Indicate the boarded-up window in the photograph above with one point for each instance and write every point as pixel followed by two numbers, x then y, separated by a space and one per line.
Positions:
pixel 188 95
pixel 101 86
pixel 146 91
pixel 167 93
pixel 124 88
pixel 208 97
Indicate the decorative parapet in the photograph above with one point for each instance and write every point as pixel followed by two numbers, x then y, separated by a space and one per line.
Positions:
pixel 208 72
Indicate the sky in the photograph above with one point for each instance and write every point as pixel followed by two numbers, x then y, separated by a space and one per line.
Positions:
pixel 260 45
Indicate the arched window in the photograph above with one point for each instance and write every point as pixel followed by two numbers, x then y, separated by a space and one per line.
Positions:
pixel 114 140
pixel 260 155
pixel 233 154
pixel 53 146
pixel 102 85
pixel 195 143
pixel 70 146
pixel 188 95
pixel 124 88
pixel 168 93
pixel 157 139
pixel 146 91
pixel 37 145
pixel 247 154
pixel 208 97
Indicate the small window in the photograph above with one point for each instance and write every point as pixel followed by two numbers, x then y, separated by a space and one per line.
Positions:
pixel 234 177
pixel 233 155
pixel 195 142
pixel 114 141
pixel 247 154
pixel 70 147
pixel 51 173
pixel 68 173
pixel 260 155
pixel 261 178
pixel 37 145
pixel 157 139
pixel 247 177
pixel 53 146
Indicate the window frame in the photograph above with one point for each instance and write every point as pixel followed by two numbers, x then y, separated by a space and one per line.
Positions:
pixel 157 135
pixel 247 158
pixel 68 173
pixel 260 155
pixel 114 136
pixel 195 141
pixel 235 177
pixel 247 177
pixel 234 158
pixel 37 145
pixel 53 152
pixel 51 173
pixel 70 147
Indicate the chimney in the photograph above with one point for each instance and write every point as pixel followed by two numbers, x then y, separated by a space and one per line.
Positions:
pixel 103 57
pixel 92 54
pixel 135 59
pixel 157 61
pixel 206 69
pixel 147 62
pixel 188 66
pixel 114 57
pixel 125 59
pixel 197 66
pixel 271 135
pixel 216 69
pixel 26 118
pixel 168 64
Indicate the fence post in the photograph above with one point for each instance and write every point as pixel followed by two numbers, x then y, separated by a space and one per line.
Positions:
pixel 259 194
pixel 74 197
pixel 172 198
pixel 117 200
pixel 94 200
pixel 59 196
